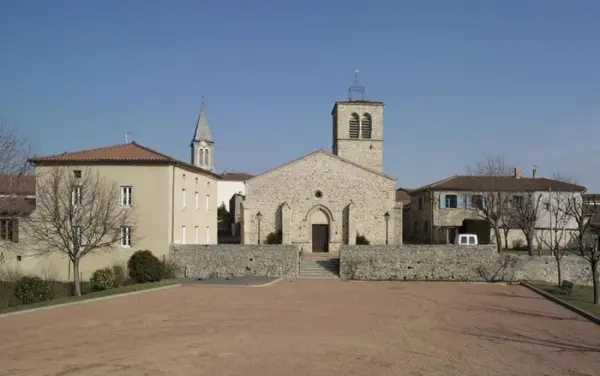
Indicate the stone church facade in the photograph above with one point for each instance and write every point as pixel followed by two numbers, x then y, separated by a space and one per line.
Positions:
pixel 325 199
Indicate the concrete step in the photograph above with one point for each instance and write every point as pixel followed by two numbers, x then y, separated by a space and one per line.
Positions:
pixel 332 276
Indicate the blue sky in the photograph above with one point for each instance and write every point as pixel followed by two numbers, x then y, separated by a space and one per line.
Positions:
pixel 461 79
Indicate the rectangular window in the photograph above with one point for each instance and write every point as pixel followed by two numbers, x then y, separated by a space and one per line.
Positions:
pixel 517 201
pixel 197 200
pixel 421 203
pixel 126 195
pixel 77 174
pixel 416 227
pixel 9 230
pixel 207 202
pixel 76 193
pixel 451 201
pixel 426 227
pixel 207 235
pixel 197 234
pixel 183 235
pixel 476 202
pixel 77 237
pixel 183 201
pixel 547 206
pixel 125 236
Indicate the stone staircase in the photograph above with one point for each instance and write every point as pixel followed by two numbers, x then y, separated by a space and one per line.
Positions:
pixel 319 267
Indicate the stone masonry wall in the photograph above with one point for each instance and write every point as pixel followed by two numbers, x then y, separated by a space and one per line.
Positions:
pixel 234 260
pixel 440 262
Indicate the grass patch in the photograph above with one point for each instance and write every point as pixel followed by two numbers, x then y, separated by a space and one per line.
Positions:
pixel 581 296
pixel 90 295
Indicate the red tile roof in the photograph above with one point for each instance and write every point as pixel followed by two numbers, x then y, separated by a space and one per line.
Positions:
pixel 130 153
pixel 20 185
pixel 236 176
pixel 19 206
pixel 403 195
pixel 499 183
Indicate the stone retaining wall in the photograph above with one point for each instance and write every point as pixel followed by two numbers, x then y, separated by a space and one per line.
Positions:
pixel 441 262
pixel 234 260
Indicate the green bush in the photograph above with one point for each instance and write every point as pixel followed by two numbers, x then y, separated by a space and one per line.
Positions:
pixel 362 240
pixel 519 244
pixel 119 275
pixel 143 266
pixel 32 289
pixel 170 269
pixel 274 238
pixel 103 279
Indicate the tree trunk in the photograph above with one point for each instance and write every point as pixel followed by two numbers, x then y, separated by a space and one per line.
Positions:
pixel 529 238
pixel 595 282
pixel 559 269
pixel 505 239
pixel 76 280
pixel 498 239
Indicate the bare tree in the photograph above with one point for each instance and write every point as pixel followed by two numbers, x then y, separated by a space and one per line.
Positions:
pixel 558 239
pixel 507 221
pixel 526 209
pixel 14 153
pixel 490 204
pixel 78 215
pixel 584 210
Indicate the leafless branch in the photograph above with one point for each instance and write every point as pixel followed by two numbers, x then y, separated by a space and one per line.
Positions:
pixel 526 209
pixel 77 216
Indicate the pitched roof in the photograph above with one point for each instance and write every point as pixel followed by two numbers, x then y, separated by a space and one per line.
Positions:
pixel 131 153
pixel 499 183
pixel 236 176
pixel 20 185
pixel 321 151
pixel 19 206
pixel 403 195
pixel 202 132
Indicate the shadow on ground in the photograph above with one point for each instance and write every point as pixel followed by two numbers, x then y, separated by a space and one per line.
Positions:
pixel 233 281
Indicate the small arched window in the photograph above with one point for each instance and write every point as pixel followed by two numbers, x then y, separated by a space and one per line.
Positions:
pixel 365 126
pixel 354 124
pixel 200 157
pixel 207 158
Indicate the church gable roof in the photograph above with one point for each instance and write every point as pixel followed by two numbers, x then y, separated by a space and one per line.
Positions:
pixel 328 154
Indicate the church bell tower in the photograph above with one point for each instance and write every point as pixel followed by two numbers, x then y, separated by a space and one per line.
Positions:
pixel 202 145
pixel 358 128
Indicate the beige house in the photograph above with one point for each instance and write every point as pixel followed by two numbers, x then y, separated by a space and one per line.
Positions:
pixel 322 200
pixel 445 208
pixel 171 201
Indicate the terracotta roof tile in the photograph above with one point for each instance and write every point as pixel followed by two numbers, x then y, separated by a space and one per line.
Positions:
pixel 236 176
pixel 499 183
pixel 19 206
pixel 123 153
pixel 403 195
pixel 20 185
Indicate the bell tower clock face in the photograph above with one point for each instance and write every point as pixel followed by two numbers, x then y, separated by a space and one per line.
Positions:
pixel 203 143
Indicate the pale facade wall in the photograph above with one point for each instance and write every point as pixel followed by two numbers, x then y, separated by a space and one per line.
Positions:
pixel 200 212
pixel 344 187
pixel 151 193
pixel 226 189
pixel 366 152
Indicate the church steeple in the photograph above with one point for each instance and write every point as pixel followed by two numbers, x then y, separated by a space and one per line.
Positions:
pixel 202 144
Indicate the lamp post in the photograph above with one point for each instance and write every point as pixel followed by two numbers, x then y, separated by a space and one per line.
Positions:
pixel 387 225
pixel 259 218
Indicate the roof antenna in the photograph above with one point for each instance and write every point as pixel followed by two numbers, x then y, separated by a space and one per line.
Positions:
pixel 356 89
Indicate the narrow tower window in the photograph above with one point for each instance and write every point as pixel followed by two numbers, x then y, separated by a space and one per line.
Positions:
pixel 365 126
pixel 200 157
pixel 207 158
pixel 354 126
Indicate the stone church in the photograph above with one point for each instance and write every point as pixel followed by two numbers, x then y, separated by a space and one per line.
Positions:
pixel 325 199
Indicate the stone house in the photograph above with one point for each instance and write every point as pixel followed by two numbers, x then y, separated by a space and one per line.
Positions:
pixel 441 210
pixel 325 199
pixel 403 197
pixel 17 202
pixel 171 202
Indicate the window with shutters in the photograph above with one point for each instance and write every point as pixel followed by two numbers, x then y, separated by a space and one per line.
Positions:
pixel 354 124
pixel 9 229
pixel 451 201
pixel 365 126
pixel 125 236
pixel 183 198
pixel 126 195
pixel 76 195
pixel 421 200
pixel 197 198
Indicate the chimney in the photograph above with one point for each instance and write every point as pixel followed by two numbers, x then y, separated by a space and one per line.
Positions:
pixel 517 172
pixel 534 171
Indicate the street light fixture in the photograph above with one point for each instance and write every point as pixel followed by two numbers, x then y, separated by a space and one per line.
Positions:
pixel 387 225
pixel 259 218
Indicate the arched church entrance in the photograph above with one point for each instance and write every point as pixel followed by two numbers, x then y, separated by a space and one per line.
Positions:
pixel 319 222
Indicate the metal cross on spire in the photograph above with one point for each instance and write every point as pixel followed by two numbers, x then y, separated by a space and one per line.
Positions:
pixel 356 91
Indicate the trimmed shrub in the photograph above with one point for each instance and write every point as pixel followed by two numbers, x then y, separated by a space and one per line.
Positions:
pixel 519 244
pixel 274 238
pixel 362 240
pixel 143 266
pixel 32 289
pixel 103 279
pixel 119 275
